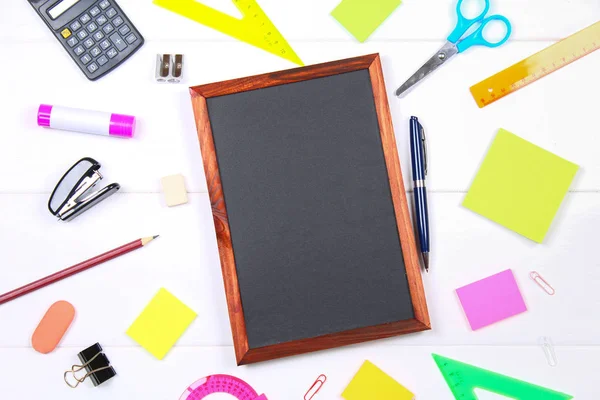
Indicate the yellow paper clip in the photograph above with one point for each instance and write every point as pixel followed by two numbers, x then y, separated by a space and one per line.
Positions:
pixel 537 278
pixel 314 389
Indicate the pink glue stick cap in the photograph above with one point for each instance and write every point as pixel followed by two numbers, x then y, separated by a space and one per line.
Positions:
pixel 43 117
pixel 121 125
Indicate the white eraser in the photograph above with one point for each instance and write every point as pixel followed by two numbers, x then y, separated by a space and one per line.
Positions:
pixel 174 190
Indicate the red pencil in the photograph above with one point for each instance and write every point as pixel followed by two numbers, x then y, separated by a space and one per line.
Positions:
pixel 75 269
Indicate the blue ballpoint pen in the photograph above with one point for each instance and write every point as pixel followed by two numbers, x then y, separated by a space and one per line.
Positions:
pixel 418 154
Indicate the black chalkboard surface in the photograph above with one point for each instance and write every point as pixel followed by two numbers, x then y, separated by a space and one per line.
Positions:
pixel 311 216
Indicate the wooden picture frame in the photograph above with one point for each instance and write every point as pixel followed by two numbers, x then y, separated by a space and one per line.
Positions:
pixel 244 354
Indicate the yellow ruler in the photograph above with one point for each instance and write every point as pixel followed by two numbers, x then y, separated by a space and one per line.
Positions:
pixel 537 66
pixel 254 28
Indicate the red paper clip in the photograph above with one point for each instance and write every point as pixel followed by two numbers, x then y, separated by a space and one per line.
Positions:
pixel 537 278
pixel 314 389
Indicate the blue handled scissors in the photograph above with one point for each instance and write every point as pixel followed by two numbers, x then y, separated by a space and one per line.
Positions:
pixel 456 45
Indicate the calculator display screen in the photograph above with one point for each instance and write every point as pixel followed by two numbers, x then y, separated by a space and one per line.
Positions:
pixel 61 7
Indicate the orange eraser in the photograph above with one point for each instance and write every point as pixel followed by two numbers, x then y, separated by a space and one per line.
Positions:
pixel 53 327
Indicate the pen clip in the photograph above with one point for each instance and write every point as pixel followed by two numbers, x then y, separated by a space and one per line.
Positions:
pixel 424 142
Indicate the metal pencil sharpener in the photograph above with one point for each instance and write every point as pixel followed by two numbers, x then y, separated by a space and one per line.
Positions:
pixel 169 68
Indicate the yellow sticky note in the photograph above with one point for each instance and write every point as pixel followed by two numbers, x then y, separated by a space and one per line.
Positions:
pixel 371 383
pixel 520 186
pixel 162 322
pixel 362 17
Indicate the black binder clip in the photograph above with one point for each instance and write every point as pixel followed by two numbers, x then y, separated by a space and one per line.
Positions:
pixel 96 364
pixel 73 194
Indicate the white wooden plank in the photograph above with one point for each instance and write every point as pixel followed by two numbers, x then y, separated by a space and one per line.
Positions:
pixel 310 20
pixel 465 248
pixel 555 113
pixel 184 259
pixel 140 376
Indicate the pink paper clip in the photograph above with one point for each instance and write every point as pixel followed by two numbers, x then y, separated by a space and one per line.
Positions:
pixel 314 389
pixel 537 278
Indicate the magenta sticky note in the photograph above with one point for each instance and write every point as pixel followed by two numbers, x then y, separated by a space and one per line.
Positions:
pixel 492 299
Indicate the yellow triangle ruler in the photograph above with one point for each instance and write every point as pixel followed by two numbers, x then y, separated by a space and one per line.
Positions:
pixel 537 66
pixel 254 28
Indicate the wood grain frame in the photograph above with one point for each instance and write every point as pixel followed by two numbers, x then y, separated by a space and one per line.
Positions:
pixel 245 354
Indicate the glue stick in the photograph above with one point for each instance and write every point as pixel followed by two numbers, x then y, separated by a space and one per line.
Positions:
pixel 86 121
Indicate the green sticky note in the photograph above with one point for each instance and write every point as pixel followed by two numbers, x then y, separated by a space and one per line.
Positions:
pixel 162 322
pixel 520 186
pixel 362 17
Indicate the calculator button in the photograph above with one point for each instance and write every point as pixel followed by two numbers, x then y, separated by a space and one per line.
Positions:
pixel 65 33
pixel 98 35
pixel 117 21
pixel 91 27
pixel 111 13
pixel 89 42
pixel 78 50
pixel 108 28
pixel 101 20
pixel 85 18
pixel 112 53
pixel 102 60
pixel 95 52
pixel 94 11
pixel 131 38
pixel 86 59
pixel 75 26
pixel 72 41
pixel 124 30
pixel 93 67
pixel 105 44
pixel 118 41
pixel 104 4
pixel 82 34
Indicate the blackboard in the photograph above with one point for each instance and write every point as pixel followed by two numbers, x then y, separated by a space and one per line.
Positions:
pixel 310 211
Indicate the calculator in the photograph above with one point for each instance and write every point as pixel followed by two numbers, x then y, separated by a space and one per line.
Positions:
pixel 96 33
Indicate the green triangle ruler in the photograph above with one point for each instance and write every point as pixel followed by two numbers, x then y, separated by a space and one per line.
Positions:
pixel 463 378
pixel 254 28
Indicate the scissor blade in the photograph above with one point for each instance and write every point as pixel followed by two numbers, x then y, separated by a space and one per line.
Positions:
pixel 439 58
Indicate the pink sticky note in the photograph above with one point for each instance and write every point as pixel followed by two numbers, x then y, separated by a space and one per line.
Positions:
pixel 492 299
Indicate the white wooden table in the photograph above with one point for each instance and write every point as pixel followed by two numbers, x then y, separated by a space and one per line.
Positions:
pixel 558 113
